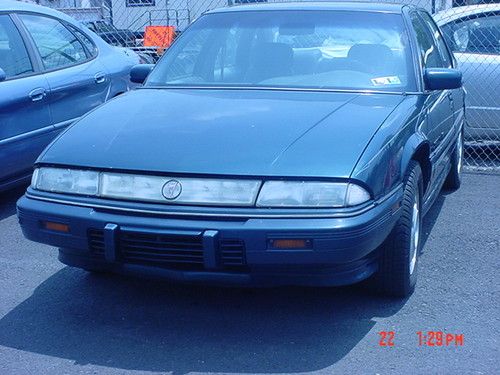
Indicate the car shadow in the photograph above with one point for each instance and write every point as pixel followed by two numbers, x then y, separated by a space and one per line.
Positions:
pixel 8 201
pixel 147 325
pixel 150 325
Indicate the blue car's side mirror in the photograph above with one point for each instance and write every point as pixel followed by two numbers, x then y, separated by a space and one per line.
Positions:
pixel 3 76
pixel 442 79
pixel 139 73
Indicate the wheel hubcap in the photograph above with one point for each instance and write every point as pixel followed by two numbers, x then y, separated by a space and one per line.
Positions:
pixel 415 234
pixel 460 150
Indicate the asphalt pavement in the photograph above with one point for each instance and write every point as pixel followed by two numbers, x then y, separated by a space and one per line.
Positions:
pixel 61 320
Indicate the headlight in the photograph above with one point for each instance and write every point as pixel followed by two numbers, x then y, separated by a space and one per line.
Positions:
pixel 199 191
pixel 311 194
pixel 195 191
pixel 66 181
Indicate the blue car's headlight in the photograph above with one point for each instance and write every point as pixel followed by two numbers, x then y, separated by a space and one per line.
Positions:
pixel 200 191
pixel 71 181
pixel 311 194
pixel 190 191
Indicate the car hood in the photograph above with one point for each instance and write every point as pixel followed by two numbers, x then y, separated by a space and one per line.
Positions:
pixel 226 132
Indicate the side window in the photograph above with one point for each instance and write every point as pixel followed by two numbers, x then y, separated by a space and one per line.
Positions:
pixel 89 45
pixel 428 50
pixel 14 59
pixel 476 35
pixel 438 39
pixel 57 46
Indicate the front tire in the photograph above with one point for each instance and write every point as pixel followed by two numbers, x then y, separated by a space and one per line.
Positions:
pixel 399 254
pixel 454 178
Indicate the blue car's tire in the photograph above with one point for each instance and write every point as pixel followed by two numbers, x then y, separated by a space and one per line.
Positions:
pixel 399 254
pixel 454 178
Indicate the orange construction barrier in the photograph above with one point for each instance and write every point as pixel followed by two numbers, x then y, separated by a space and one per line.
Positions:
pixel 159 36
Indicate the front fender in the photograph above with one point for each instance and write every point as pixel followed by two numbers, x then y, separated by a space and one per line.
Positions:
pixel 383 163
pixel 413 146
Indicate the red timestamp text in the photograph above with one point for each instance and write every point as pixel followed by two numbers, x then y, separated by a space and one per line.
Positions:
pixel 439 338
pixel 427 338
pixel 386 338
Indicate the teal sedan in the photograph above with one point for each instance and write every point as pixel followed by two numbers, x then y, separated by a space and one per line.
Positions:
pixel 273 144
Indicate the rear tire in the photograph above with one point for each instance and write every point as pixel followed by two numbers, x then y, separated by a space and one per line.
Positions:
pixel 454 178
pixel 399 254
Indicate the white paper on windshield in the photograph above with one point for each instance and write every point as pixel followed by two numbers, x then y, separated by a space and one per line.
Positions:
pixel 383 81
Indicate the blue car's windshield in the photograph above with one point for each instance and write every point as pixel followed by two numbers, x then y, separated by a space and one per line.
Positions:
pixel 291 49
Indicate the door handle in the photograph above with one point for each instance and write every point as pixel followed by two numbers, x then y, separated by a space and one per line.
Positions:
pixel 37 94
pixel 99 77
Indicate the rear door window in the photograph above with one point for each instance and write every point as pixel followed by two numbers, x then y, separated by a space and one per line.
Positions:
pixel 89 44
pixel 58 47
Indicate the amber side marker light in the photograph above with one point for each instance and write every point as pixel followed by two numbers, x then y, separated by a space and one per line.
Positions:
pixel 283 244
pixel 56 227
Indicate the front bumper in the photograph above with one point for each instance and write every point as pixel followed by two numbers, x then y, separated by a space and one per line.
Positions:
pixel 223 250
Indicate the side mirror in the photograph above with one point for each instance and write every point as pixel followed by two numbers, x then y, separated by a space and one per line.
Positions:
pixel 3 76
pixel 139 73
pixel 442 79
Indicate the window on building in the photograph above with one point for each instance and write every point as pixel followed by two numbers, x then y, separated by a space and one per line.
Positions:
pixel 140 3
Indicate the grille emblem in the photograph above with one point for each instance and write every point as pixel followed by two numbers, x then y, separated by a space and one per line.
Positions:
pixel 172 189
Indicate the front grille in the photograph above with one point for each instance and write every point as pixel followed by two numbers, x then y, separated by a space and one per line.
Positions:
pixel 233 254
pixel 96 242
pixel 167 251
pixel 170 251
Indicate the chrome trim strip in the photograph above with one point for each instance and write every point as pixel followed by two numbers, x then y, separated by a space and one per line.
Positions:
pixel 32 133
pixel 63 124
pixel 228 215
pixel 39 131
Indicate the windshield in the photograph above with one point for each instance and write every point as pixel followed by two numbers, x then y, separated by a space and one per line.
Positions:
pixel 290 49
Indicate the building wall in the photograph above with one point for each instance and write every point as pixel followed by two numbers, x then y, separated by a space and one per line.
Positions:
pixel 165 12
pixel 180 13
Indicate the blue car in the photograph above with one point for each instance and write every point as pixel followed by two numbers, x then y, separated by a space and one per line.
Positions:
pixel 280 144
pixel 52 71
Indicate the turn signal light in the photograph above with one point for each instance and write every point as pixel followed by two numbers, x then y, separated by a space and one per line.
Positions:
pixel 283 244
pixel 57 227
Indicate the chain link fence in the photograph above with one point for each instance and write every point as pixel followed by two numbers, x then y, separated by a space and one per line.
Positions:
pixel 471 28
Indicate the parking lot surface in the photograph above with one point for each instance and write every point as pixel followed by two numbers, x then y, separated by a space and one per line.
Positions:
pixel 55 319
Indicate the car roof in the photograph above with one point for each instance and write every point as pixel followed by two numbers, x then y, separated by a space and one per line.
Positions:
pixel 19 6
pixel 320 5
pixel 453 14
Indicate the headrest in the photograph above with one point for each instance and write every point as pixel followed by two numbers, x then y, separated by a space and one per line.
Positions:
pixel 270 60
